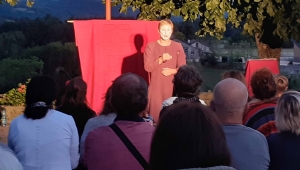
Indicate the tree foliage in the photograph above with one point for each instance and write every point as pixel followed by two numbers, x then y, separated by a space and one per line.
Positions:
pixel 29 3
pixel 12 44
pixel 180 36
pixel 275 20
pixel 41 31
pixel 56 54
pixel 14 71
pixel 48 39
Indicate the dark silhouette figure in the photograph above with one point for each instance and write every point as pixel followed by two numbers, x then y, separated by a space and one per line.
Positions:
pixel 135 63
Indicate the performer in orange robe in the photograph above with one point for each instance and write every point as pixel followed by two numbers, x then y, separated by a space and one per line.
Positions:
pixel 162 59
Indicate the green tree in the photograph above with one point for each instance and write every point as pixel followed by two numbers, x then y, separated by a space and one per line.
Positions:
pixel 56 54
pixel 271 21
pixel 179 35
pixel 29 3
pixel 14 71
pixel 41 31
pixel 11 44
pixel 188 29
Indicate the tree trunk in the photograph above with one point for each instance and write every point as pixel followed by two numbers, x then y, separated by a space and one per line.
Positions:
pixel 264 51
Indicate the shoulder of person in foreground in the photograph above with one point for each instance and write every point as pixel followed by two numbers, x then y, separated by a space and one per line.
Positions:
pixel 8 159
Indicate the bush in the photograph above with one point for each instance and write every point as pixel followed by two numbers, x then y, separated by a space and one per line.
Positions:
pixel 13 71
pixel 15 96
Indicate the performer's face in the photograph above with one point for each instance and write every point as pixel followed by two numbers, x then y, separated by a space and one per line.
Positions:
pixel 165 32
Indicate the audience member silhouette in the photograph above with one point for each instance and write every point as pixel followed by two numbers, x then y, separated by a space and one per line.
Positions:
pixel 189 136
pixel 43 138
pixel 248 147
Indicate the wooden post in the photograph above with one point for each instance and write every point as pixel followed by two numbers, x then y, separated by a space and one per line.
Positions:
pixel 108 9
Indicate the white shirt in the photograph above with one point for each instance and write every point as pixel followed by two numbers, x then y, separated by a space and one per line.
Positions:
pixel 8 160
pixel 50 143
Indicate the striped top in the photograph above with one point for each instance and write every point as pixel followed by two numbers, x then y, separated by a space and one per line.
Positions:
pixel 261 116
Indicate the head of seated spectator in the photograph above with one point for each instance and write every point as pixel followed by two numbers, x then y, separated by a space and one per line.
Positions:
pixel 284 146
pixel 47 138
pixel 105 118
pixel 282 84
pixel 234 74
pixel 74 103
pixel 248 147
pixel 287 112
pixel 189 136
pixel 129 95
pixel 263 85
pixel 187 81
pixel 107 108
pixel 129 99
pixel 40 94
pixel 261 111
pixel 75 94
pixel 230 105
pixel 187 84
pixel 61 77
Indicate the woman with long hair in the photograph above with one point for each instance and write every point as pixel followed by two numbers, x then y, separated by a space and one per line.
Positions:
pixel 105 118
pixel 189 136
pixel 74 103
pixel 43 138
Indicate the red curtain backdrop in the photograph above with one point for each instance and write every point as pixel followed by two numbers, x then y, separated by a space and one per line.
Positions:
pixel 110 48
pixel 253 65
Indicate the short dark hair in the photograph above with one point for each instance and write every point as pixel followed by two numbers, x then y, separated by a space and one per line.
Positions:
pixel 39 89
pixel 129 94
pixel 263 84
pixel 187 81
pixel 188 136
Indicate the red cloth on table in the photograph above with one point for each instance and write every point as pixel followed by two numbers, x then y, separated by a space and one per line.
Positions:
pixel 109 48
pixel 254 65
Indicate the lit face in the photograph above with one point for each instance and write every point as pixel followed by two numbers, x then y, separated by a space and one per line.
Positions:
pixel 165 32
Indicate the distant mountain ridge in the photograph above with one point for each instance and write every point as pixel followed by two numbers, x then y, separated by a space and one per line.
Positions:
pixel 63 9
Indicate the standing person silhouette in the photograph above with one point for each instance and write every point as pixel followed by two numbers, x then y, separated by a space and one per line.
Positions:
pixel 162 58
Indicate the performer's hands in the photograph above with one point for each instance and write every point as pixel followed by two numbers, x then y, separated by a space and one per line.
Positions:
pixel 166 57
pixel 168 71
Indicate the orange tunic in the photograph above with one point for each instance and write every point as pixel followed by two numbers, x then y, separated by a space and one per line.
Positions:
pixel 161 87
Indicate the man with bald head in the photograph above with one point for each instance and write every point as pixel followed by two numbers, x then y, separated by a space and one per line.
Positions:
pixel 104 147
pixel 248 147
